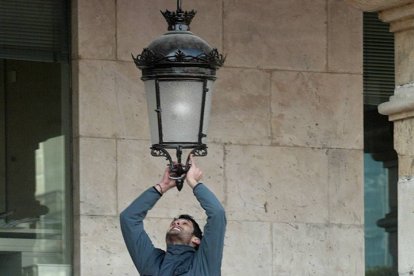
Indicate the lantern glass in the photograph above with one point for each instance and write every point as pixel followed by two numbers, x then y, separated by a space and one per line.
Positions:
pixel 181 105
pixel 152 107
pixel 207 109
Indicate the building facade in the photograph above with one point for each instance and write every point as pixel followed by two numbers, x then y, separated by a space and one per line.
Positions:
pixel 286 137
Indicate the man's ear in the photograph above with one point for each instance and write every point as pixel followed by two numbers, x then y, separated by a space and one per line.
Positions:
pixel 195 240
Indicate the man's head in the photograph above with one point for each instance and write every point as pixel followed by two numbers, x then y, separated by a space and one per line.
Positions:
pixel 184 230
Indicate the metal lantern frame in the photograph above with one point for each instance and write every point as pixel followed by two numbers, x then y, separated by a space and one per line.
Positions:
pixel 178 56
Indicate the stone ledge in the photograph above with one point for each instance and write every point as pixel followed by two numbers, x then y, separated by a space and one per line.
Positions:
pixel 401 105
pixel 399 13
pixel 401 18
pixel 377 5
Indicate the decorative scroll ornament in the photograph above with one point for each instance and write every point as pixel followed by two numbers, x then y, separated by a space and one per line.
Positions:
pixel 150 59
pixel 200 151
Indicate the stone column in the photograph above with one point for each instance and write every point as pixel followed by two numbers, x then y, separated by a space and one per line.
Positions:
pixel 400 109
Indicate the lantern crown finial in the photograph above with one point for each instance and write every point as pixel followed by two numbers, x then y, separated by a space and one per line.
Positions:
pixel 179 20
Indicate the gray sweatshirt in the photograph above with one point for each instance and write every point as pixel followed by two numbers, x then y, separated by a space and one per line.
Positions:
pixel 178 259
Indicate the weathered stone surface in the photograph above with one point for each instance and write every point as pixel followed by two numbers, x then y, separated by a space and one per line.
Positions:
pixel 345 252
pixel 240 109
pixel 96 29
pixel 140 22
pixel 97 176
pixel 102 249
pixel 75 99
pixel 404 57
pixel 403 133
pixel 96 98
pixel 277 184
pixel 297 249
pixel 111 100
pixel 314 249
pixel 344 37
pixel 276 34
pixel 317 110
pixel 405 224
pixel 138 171
pixel 346 186
pixel 405 165
pixel 249 252
pixel 131 103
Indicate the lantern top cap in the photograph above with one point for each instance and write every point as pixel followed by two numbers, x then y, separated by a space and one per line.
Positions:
pixel 179 49
pixel 179 20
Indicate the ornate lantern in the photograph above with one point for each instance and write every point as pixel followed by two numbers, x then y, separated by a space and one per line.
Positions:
pixel 179 69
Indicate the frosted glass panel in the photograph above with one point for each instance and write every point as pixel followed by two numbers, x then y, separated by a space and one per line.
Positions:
pixel 207 109
pixel 181 107
pixel 152 114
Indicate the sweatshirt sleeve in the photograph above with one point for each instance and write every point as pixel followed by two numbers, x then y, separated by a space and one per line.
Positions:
pixel 212 243
pixel 140 247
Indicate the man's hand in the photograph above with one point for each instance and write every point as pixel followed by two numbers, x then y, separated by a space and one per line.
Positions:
pixel 194 174
pixel 166 182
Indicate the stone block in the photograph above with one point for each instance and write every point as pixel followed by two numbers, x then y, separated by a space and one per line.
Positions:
pixel 138 171
pixel 317 249
pixel 344 37
pixel 131 103
pixel 403 133
pixel 97 176
pixel 76 176
pixel 96 99
pixel 317 110
pixel 96 27
pixel 248 249
pixel 404 57
pixel 405 165
pixel 111 100
pixel 405 225
pixel 345 251
pixel 240 109
pixel 275 34
pixel 102 248
pixel 277 184
pixel 75 99
pixel 140 22
pixel 300 249
pixel 346 186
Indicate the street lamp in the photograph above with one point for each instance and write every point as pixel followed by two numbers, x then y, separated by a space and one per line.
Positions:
pixel 178 70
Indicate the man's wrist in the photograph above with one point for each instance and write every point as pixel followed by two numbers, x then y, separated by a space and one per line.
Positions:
pixel 192 183
pixel 161 188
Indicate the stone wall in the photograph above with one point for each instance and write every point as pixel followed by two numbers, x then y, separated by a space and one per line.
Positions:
pixel 285 151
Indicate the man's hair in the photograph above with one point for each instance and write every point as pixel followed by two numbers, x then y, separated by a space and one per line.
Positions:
pixel 197 231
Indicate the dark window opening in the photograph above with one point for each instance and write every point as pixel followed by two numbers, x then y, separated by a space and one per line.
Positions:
pixel 35 139
pixel 380 159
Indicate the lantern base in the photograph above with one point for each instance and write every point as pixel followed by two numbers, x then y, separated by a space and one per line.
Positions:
pixel 178 171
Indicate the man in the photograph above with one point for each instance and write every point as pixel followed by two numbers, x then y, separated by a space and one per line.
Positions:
pixel 188 251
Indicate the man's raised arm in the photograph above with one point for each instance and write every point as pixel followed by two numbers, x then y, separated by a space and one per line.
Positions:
pixel 139 245
pixel 211 247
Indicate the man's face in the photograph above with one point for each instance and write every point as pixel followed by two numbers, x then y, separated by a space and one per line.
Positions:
pixel 180 232
pixel 180 226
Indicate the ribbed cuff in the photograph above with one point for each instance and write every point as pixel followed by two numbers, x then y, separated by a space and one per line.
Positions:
pixel 198 184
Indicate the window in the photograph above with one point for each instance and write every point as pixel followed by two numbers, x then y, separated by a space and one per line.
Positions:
pixel 35 186
pixel 381 162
